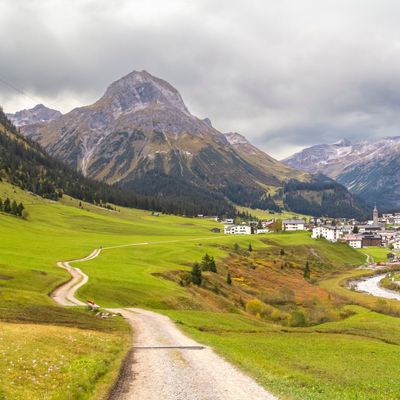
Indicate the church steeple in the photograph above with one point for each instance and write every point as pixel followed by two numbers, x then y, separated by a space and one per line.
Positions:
pixel 375 215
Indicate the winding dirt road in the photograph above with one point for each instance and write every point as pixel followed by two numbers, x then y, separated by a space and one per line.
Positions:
pixel 164 363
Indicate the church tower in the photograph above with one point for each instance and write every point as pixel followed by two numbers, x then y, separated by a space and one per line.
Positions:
pixel 375 215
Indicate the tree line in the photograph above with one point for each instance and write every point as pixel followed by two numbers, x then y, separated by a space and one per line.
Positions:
pixel 11 207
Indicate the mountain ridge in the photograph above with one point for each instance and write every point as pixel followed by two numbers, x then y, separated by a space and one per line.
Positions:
pixel 141 136
pixel 368 168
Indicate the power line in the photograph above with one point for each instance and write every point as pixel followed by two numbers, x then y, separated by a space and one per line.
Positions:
pixel 19 90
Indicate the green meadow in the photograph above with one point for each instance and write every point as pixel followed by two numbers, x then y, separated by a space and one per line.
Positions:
pixel 345 359
pixel 376 254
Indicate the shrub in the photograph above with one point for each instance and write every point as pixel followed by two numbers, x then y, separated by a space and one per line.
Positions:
pixel 254 306
pixel 297 318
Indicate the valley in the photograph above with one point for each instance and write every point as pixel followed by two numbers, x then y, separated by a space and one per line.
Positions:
pixel 199 200
pixel 288 356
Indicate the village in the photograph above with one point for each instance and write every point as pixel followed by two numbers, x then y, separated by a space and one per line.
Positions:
pixel 381 231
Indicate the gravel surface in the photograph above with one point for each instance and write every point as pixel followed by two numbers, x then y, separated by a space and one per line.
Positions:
pixel 65 294
pixel 167 365
pixel 164 364
pixel 371 286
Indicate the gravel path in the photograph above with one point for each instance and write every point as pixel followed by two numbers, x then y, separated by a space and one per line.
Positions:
pixel 165 364
pixel 371 286
pixel 65 294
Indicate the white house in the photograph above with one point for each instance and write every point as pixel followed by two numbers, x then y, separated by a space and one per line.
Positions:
pixel 293 225
pixel 354 241
pixel 237 230
pixel 228 221
pixel 331 233
pixel 258 231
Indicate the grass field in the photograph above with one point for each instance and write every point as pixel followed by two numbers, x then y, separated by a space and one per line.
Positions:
pixel 54 362
pixel 349 359
pixel 376 254
pixel 314 362
pixel 263 214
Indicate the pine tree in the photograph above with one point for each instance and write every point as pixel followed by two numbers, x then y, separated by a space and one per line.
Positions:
pixel 7 205
pixel 14 208
pixel 307 271
pixel 229 279
pixel 212 265
pixel 250 247
pixel 20 209
pixel 196 274
pixel 205 262
pixel 282 252
pixel 1 205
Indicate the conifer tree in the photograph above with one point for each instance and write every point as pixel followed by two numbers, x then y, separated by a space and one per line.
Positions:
pixel 196 274
pixel 229 279
pixel 307 271
pixel 7 205
pixel 212 265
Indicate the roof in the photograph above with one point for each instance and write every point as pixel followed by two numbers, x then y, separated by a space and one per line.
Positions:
pixel 293 221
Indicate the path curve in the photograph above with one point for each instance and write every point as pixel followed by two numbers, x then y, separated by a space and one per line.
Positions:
pixel 65 293
pixel 165 364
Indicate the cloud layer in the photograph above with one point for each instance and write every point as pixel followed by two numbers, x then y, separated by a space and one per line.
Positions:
pixel 286 74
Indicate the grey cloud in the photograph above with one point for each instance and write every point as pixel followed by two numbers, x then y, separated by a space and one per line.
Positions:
pixel 286 74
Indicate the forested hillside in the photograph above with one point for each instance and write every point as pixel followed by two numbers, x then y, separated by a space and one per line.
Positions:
pixel 25 164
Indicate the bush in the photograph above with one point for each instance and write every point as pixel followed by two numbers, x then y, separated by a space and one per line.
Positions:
pixel 297 318
pixel 254 306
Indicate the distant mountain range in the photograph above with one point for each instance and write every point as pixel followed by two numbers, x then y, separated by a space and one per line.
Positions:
pixel 370 169
pixel 141 136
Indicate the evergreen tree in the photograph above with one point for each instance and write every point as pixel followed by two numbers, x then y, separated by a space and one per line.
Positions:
pixel 212 265
pixel 196 277
pixel 14 208
pixel 1 205
pixel 7 205
pixel 205 262
pixel 282 252
pixel 307 271
pixel 20 209
pixel 236 247
pixel 229 279
pixel 250 247
pixel 355 229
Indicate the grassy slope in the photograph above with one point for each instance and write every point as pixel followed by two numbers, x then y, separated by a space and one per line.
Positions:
pixel 349 359
pixel 300 363
pixel 378 254
pixel 78 369
pixel 262 214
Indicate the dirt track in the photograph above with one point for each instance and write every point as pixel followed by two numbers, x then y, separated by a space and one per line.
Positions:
pixel 165 364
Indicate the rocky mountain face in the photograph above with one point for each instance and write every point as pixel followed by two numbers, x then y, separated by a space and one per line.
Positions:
pixel 369 169
pixel 141 136
pixel 37 114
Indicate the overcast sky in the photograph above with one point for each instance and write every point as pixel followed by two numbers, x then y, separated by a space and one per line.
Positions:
pixel 286 74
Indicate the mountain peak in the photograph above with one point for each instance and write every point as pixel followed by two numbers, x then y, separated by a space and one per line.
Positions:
pixel 235 138
pixel 344 142
pixel 140 89
pixel 39 113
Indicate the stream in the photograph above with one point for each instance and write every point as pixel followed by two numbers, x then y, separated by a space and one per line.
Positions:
pixel 371 286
